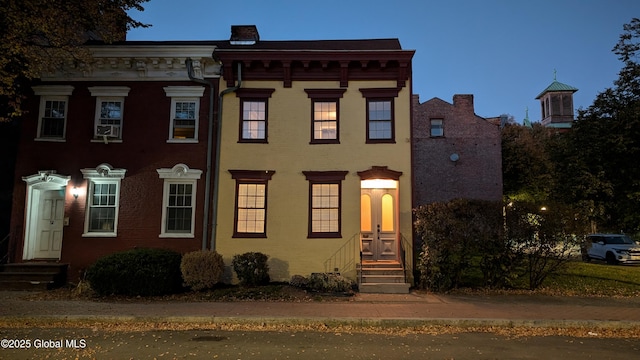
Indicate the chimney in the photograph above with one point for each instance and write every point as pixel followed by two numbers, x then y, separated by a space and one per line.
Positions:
pixel 464 102
pixel 244 35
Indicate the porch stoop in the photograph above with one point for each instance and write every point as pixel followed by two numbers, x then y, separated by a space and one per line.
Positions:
pixel 33 276
pixel 382 277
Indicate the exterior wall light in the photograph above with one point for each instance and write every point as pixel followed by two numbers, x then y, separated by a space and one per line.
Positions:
pixel 75 192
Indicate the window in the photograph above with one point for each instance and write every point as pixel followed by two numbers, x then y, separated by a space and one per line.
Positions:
pixel 52 120
pixel 254 120
pixel 325 115
pixel 251 202
pixel 325 120
pixel 109 111
pixel 325 192
pixel 103 197
pixel 178 200
pixel 254 114
pixel 185 110
pixel 184 118
pixel 437 128
pixel 380 114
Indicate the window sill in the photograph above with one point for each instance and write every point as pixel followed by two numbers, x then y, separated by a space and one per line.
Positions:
pixel 182 141
pixel 50 139
pixel 322 142
pixel 324 236
pixel 381 141
pixel 100 235
pixel 261 141
pixel 249 236
pixel 175 236
pixel 109 140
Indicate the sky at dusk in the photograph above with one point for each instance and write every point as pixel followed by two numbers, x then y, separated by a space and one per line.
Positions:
pixel 504 52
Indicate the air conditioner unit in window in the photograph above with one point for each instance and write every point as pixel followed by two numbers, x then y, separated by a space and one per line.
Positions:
pixel 112 131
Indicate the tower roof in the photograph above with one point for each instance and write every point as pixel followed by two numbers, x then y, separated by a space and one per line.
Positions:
pixel 557 86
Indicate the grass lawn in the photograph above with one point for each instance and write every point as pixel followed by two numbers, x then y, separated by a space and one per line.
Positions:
pixel 594 279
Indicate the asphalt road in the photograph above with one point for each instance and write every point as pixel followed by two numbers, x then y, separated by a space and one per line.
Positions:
pixel 209 344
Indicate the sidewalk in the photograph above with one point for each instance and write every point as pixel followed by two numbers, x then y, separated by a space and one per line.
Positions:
pixel 410 309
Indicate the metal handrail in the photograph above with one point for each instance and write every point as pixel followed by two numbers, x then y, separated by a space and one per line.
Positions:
pixel 404 242
pixel 360 245
pixel 344 257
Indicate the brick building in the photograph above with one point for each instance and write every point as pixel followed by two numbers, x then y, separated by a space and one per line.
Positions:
pixel 456 153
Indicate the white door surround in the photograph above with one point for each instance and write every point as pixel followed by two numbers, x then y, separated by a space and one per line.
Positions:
pixel 44 215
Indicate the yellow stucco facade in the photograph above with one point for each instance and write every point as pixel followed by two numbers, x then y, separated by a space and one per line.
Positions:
pixel 288 153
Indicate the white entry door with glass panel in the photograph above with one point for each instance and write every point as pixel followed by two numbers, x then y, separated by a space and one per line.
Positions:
pixel 378 224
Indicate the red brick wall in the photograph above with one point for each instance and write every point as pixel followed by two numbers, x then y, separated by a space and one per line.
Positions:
pixel 144 149
pixel 478 172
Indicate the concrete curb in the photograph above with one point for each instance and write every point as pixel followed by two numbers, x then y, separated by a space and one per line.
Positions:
pixel 329 322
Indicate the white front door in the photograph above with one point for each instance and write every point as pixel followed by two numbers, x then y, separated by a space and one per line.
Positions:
pixel 44 215
pixel 378 224
pixel 49 225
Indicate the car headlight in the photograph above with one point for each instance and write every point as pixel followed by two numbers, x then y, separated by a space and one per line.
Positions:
pixel 622 251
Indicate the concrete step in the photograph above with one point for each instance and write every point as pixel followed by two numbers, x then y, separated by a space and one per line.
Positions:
pixel 32 276
pixel 387 288
pixel 26 285
pixel 388 279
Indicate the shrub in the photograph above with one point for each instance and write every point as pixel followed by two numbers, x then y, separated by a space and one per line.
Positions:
pixel 251 268
pixel 329 282
pixel 143 272
pixel 201 269
pixel 452 234
pixel 299 281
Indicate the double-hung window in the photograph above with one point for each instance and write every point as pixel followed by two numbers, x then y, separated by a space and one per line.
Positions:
pixel 325 199
pixel 178 201
pixel 103 198
pixel 109 111
pixel 325 115
pixel 185 110
pixel 251 203
pixel 52 119
pixel 380 114
pixel 437 127
pixel 254 114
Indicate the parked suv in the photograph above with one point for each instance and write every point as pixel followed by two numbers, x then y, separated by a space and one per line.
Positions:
pixel 613 248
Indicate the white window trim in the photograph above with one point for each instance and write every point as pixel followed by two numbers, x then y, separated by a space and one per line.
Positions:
pixel 179 174
pixel 52 93
pixel 108 93
pixel 184 94
pixel 102 174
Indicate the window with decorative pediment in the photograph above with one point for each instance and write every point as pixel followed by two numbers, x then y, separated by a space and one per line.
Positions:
pixel 178 200
pixel 103 198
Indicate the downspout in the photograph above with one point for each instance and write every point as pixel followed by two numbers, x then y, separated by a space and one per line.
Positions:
pixel 207 185
pixel 216 172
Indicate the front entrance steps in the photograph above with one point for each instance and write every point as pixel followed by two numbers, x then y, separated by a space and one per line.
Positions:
pixel 33 276
pixel 382 277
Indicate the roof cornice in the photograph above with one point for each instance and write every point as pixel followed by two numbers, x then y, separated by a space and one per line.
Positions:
pixel 146 62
